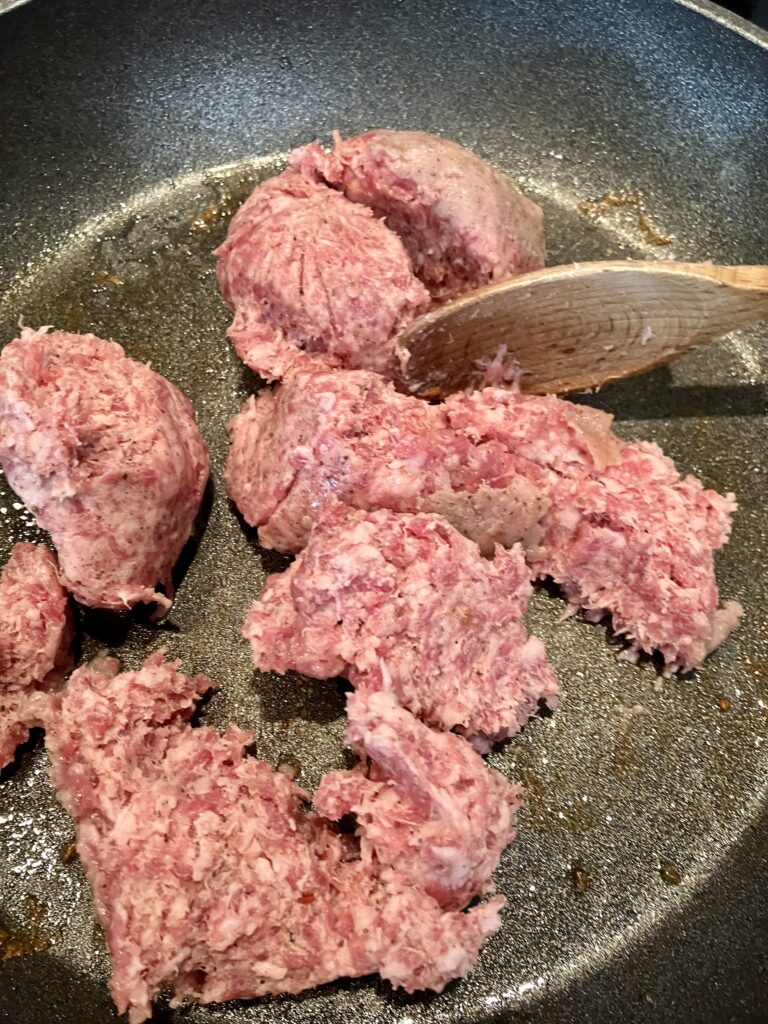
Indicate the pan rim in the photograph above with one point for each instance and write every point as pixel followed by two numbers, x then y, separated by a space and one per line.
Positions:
pixel 727 19
pixel 710 10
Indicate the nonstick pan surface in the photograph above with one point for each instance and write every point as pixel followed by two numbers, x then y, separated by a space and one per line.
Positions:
pixel 637 889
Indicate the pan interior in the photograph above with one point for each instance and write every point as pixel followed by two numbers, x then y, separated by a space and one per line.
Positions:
pixel 638 789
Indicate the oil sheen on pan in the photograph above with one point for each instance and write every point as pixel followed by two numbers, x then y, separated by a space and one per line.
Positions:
pixel 640 795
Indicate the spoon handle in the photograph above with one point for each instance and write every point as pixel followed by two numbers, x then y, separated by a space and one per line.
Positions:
pixel 577 327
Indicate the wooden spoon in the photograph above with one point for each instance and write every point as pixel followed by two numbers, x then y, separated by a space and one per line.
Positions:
pixel 579 326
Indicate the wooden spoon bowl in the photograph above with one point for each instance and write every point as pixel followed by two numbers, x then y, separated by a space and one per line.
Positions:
pixel 577 327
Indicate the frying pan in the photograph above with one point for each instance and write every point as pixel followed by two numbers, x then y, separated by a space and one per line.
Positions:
pixel 638 886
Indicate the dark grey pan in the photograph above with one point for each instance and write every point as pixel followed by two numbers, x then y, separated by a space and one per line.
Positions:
pixel 121 126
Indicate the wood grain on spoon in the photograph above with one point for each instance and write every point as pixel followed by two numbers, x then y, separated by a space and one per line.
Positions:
pixel 579 326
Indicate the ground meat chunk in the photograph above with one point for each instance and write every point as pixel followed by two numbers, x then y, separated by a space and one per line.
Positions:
pixel 427 807
pixel 636 543
pixel 329 435
pixel 311 275
pixel 612 522
pixel 35 634
pixel 463 223
pixel 624 534
pixel 210 876
pixel 406 604
pixel 107 455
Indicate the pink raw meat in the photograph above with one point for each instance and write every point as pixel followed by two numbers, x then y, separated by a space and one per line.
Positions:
pixel 427 807
pixel 325 434
pixel 611 521
pixel 406 604
pixel 636 543
pixel 463 223
pixel 107 455
pixel 36 630
pixel 211 877
pixel 624 534
pixel 310 275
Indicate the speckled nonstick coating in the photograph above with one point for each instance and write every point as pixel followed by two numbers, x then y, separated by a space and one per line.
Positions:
pixel 127 134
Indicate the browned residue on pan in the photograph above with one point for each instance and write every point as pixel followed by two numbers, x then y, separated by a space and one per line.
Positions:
pixel 543 811
pixel 30 938
pixel 220 211
pixel 670 874
pixel 104 277
pixel 579 879
pixel 69 853
pixel 633 201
